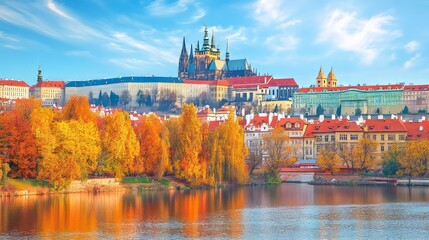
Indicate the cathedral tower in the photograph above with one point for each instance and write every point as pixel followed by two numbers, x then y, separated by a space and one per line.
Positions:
pixel 39 75
pixel 183 62
pixel 332 79
pixel 321 79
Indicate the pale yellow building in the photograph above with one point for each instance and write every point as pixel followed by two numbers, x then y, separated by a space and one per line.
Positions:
pixel 13 89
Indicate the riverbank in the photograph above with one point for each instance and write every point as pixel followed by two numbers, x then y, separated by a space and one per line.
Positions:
pixel 18 187
pixel 345 180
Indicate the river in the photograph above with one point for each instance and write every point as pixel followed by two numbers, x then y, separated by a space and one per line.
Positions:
pixel 288 211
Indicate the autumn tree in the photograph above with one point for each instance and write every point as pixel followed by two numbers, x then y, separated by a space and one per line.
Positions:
pixel 231 139
pixel 391 158
pixel 327 159
pixel 415 160
pixel 125 98
pixel 154 147
pixel 175 131
pixel 345 154
pixel 77 108
pixel 119 145
pixel 279 153
pixel 364 154
pixel 188 167
pixel 255 156
pixel 18 144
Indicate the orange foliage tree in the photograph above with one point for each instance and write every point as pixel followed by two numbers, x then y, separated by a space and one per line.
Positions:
pixel 154 147
pixel 119 145
pixel 18 144
pixel 78 108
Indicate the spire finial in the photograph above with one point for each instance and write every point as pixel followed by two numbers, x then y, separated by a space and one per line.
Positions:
pixel 227 51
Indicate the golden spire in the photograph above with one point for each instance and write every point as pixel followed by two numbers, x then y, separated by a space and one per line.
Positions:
pixel 321 75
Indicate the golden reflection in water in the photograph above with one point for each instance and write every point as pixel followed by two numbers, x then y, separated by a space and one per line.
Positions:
pixel 195 213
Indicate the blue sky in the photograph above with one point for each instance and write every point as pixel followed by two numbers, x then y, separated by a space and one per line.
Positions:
pixel 364 41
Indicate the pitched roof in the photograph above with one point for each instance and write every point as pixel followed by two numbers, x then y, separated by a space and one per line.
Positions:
pixel 213 125
pixel 417 130
pixel 385 125
pixel 284 121
pixel 17 83
pixel 424 87
pixel 53 84
pixel 283 82
pixel 122 80
pixel 238 64
pixel 217 65
pixel 344 88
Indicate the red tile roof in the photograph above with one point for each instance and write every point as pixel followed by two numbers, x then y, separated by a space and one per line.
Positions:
pixel 363 88
pixel 213 125
pixel 284 121
pixel 52 84
pixel 385 125
pixel 283 82
pixel 417 130
pixel 17 83
pixel 424 87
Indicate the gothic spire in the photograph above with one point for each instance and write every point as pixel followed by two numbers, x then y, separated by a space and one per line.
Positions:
pixel 206 45
pixel 198 46
pixel 184 51
pixel 191 55
pixel 213 46
pixel 39 75
pixel 321 75
pixel 183 61
pixel 227 51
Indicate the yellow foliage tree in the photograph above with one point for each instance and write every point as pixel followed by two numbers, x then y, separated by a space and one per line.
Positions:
pixel 119 145
pixel 364 154
pixel 416 158
pixel 278 150
pixel 188 167
pixel 231 140
pixel 327 159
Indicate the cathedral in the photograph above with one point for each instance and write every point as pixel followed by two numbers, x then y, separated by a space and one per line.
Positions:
pixel 205 64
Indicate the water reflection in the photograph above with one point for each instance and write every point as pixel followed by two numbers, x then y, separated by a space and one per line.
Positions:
pixel 298 210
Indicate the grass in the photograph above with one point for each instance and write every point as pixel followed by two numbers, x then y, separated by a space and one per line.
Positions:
pixel 20 184
pixel 165 182
pixel 138 179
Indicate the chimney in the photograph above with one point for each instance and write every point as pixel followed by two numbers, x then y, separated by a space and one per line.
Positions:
pixel 420 128
pixel 270 118
pixel 214 110
pixel 333 117
pixel 423 118
pixel 247 119
pixel 369 117
pixel 348 117
pixel 380 117
pixel 321 118
pixel 301 116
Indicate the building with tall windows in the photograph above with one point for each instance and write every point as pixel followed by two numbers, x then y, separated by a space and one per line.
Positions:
pixel 51 93
pixel 13 89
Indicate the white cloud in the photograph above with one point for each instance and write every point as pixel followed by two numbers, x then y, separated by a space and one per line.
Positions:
pixel 412 61
pixel 162 8
pixel 282 42
pixel 78 53
pixel 412 46
pixel 269 11
pixel 365 37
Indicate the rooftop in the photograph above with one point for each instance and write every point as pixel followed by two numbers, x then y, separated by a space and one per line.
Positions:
pixel 97 82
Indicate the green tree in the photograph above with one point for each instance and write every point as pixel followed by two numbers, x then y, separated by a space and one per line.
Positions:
pixel 358 111
pixel 338 110
pixel 320 110
pixel 390 163
pixel 125 98
pixel 405 110
pixel 141 99
pixel 105 100
pixel 114 99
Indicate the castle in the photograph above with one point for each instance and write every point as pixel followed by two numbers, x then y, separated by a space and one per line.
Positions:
pixel 205 63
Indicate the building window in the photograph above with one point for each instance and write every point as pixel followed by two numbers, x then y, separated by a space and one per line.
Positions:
pixel 374 137
pixel 382 137
pixel 354 137
pixel 382 148
pixel 402 137
pixel 391 137
pixel 297 125
pixel 326 138
pixel 332 138
pixel 343 136
pixel 318 138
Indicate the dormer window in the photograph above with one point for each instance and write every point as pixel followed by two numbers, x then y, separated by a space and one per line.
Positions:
pixel 288 125
pixel 297 125
pixel 317 127
pixel 387 127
